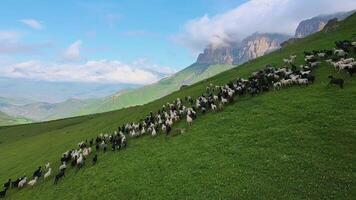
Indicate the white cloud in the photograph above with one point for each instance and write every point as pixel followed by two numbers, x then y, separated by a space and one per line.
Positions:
pixel 72 53
pixel 103 71
pixel 277 16
pixel 32 23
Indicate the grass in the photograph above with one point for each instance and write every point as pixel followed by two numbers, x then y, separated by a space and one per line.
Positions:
pixel 297 143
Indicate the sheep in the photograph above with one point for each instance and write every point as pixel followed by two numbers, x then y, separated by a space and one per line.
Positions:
pixel 80 161
pixel 223 100
pixel 153 133
pixel 340 52
pixel 314 64
pixel 336 81
pixel 353 44
pixel 33 182
pixel 321 55
pixel 189 120
pixel 293 57
pixel 288 61
pixel 47 165
pixel 48 173
pixel 22 182
pixel 303 81
pixel 347 61
pixel 63 166
pixel 213 107
pixel 277 85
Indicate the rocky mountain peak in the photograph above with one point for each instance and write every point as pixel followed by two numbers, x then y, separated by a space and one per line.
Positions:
pixel 251 47
pixel 316 24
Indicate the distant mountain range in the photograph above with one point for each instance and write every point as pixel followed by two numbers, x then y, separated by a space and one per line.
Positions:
pixel 209 63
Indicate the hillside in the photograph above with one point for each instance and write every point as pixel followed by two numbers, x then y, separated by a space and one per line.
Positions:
pixel 8 120
pixel 188 76
pixel 297 143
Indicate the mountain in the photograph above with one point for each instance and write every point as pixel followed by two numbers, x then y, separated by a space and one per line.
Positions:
pixel 253 46
pixel 41 111
pixel 212 61
pixel 6 120
pixel 296 143
pixel 315 24
pixel 188 76
pixel 55 92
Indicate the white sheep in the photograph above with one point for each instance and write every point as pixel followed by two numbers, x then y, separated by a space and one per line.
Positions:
pixel 63 166
pixel 22 182
pixel 48 173
pixel 213 107
pixel 47 165
pixel 303 81
pixel 339 52
pixel 32 182
pixel 80 160
pixel 189 120
pixel 277 85
pixel 154 133
pixel 223 100
pixel 321 55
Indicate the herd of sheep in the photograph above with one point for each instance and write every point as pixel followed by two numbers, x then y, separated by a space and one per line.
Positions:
pixel 213 99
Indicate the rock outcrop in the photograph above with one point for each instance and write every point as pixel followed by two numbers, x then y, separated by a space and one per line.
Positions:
pixel 251 47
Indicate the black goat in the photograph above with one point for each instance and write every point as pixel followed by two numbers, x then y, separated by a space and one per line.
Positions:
pixel 7 184
pixel 3 193
pixel 38 172
pixel 15 183
pixel 336 81
pixel 60 175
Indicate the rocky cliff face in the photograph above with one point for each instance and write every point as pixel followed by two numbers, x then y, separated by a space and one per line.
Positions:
pixel 251 47
pixel 315 24
pixel 258 45
pixel 221 55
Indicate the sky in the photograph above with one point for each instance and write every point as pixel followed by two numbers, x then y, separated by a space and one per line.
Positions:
pixel 133 41
pixel 123 41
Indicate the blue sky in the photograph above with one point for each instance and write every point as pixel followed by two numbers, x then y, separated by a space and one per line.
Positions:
pixel 124 30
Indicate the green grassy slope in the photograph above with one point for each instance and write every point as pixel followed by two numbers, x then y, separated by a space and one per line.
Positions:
pixel 8 120
pixel 293 144
pixel 188 76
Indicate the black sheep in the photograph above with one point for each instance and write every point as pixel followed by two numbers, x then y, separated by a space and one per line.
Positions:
pixel 336 81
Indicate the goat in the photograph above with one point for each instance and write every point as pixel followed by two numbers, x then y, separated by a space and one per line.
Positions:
pixel 33 182
pixel 58 176
pixel 3 193
pixel 48 173
pixel 22 183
